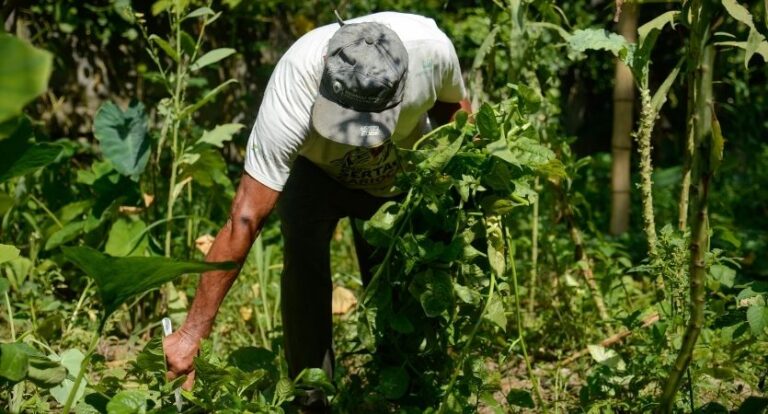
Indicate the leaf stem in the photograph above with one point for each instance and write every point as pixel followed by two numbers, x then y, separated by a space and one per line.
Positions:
pixel 81 373
pixel 520 329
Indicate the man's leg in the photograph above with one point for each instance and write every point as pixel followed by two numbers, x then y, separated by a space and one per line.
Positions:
pixel 308 220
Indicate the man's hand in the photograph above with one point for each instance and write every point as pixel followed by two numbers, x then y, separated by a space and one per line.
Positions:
pixel 181 349
pixel 250 208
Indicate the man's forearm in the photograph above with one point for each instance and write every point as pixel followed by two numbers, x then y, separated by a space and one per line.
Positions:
pixel 251 207
pixel 231 244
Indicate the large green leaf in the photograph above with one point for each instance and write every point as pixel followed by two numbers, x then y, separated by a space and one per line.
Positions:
pixel 24 73
pixel 597 39
pixel 119 278
pixel 123 137
pixel 18 156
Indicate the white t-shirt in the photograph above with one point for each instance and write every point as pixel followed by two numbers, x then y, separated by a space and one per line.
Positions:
pixel 283 128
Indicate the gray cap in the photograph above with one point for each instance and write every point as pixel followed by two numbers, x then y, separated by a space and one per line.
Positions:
pixel 362 85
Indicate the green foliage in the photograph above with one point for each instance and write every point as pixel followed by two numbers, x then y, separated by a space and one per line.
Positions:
pixel 119 278
pixel 24 74
pixel 19 156
pixel 123 137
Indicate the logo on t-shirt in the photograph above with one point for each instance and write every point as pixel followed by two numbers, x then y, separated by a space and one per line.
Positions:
pixel 366 167
pixel 369 130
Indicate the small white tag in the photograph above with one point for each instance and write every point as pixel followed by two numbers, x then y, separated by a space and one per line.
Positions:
pixel 369 130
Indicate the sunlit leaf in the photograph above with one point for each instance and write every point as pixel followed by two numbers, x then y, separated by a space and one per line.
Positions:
pixel 486 122
pixel 119 278
pixel 657 23
pixel 757 316
pixel 211 57
pixel 128 402
pixel 163 44
pixel 24 73
pixel 126 238
pixel 606 356
pixel 123 137
pixel 200 11
pixel 739 12
pixel 72 360
pixel 660 96
pixel 8 252
pixel 219 135
pixel 496 314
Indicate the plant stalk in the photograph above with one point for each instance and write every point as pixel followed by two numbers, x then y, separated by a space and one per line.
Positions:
pixel 520 329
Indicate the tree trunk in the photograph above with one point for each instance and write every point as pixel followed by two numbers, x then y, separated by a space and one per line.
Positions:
pixel 621 140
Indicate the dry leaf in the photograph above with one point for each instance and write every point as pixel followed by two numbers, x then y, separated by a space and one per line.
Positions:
pixel 343 300
pixel 246 313
pixel 148 199
pixel 130 209
pixel 256 290
pixel 204 243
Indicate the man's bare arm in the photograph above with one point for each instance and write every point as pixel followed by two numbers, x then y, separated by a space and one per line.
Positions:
pixel 251 207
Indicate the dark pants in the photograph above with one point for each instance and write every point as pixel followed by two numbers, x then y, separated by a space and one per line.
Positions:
pixel 310 206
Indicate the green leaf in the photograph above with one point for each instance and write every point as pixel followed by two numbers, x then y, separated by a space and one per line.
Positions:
pixel 656 24
pixel 315 377
pixel 45 373
pixel 69 232
pixel 163 44
pixel 718 144
pixel 520 398
pixel 485 47
pixel 597 39
pixel 123 137
pixel 495 313
pixel 378 229
pixel 72 360
pixel 607 357
pixel 757 316
pixel 119 278
pixel 393 382
pixel 205 99
pixel 754 42
pixel 211 57
pixel 434 290
pixel 128 402
pixel 486 122
pixel 219 135
pixel 24 73
pixel 495 240
pixel 284 389
pixel 126 238
pixel 8 253
pixel 152 358
pixel 14 361
pixel 200 11
pixel 739 12
pixel 18 156
pixel 439 158
pixel 660 96
pixel 723 274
